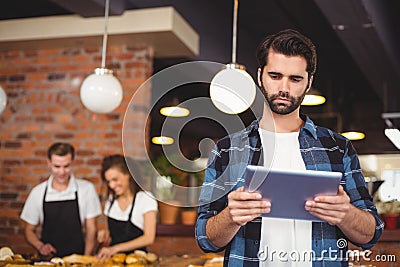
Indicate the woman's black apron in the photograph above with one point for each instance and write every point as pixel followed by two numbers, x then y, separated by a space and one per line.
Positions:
pixel 123 231
pixel 62 226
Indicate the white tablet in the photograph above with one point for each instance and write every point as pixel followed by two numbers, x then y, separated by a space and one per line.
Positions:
pixel 288 190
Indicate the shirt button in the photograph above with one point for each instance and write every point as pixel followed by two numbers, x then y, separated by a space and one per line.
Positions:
pixel 256 242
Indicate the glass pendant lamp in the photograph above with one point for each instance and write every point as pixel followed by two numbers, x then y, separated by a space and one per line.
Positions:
pixel 101 92
pixel 3 100
pixel 232 90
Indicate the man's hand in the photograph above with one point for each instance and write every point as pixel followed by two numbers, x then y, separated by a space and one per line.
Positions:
pixel 242 208
pixel 47 250
pixel 357 224
pixel 245 206
pixel 332 209
pixel 103 236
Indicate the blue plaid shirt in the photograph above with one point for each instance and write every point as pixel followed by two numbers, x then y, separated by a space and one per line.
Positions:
pixel 321 149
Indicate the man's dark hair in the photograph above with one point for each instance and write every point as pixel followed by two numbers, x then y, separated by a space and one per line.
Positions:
pixel 290 43
pixel 122 164
pixel 60 149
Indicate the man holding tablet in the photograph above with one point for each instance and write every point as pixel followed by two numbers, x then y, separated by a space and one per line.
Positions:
pixel 229 218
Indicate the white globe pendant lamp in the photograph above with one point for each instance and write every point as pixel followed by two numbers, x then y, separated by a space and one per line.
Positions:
pixel 101 92
pixel 3 99
pixel 232 90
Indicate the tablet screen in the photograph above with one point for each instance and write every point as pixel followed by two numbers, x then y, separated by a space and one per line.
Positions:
pixel 288 190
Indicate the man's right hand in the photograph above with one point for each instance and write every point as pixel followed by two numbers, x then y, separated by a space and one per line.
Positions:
pixel 245 206
pixel 47 250
pixel 242 208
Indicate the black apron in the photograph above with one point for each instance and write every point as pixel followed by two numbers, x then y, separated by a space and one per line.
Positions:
pixel 62 226
pixel 123 231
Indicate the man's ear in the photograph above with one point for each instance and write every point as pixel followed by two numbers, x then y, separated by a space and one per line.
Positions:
pixel 310 83
pixel 48 162
pixel 259 77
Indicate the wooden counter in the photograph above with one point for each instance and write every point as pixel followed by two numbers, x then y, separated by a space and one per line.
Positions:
pixel 175 239
pixel 175 230
pixel 390 235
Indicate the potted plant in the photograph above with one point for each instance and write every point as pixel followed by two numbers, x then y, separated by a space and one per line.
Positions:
pixel 168 209
pixel 170 175
pixel 189 215
pixel 165 168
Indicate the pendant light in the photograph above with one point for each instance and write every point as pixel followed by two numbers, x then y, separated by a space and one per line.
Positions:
pixel 313 98
pixel 162 140
pixel 3 100
pixel 101 92
pixel 354 135
pixel 174 110
pixel 232 90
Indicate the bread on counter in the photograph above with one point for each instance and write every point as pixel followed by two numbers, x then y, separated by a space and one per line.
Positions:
pixel 136 259
pixel 118 258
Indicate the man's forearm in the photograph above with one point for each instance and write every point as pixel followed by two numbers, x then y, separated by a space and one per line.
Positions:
pixel 90 238
pixel 359 227
pixel 89 243
pixel 221 229
pixel 33 240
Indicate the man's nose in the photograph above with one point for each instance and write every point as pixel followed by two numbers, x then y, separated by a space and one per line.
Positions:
pixel 285 85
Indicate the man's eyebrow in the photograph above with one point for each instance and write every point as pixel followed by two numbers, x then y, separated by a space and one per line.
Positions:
pixel 291 76
pixel 274 73
pixel 297 76
pixel 58 165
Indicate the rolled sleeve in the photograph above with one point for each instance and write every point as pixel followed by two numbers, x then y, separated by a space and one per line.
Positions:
pixel 378 232
pixel 358 193
pixel 201 235
pixel 209 208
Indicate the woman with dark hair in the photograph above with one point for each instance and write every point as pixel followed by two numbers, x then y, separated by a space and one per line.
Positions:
pixel 131 213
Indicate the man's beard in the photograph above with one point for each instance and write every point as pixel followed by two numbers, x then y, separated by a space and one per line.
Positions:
pixel 281 108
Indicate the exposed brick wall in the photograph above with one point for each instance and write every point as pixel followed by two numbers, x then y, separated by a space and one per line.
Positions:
pixel 44 106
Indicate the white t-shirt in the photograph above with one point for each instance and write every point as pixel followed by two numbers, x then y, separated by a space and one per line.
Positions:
pixel 88 199
pixel 282 151
pixel 144 202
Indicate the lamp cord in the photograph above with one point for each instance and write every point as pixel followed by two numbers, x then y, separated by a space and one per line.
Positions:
pixel 234 29
pixel 105 35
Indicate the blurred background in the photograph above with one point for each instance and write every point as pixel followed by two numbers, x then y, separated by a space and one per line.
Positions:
pixel 357 43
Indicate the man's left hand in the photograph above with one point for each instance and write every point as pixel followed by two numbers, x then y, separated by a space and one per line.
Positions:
pixel 332 209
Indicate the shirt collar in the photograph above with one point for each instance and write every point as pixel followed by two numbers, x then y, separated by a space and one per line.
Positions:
pixel 71 184
pixel 309 126
pixel 252 128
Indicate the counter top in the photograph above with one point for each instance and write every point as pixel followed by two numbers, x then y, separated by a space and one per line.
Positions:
pixel 390 235
pixel 175 230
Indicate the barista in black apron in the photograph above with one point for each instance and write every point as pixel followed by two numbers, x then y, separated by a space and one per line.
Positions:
pixel 62 226
pixel 123 231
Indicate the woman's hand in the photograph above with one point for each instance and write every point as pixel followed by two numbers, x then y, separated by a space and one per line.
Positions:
pixel 105 254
